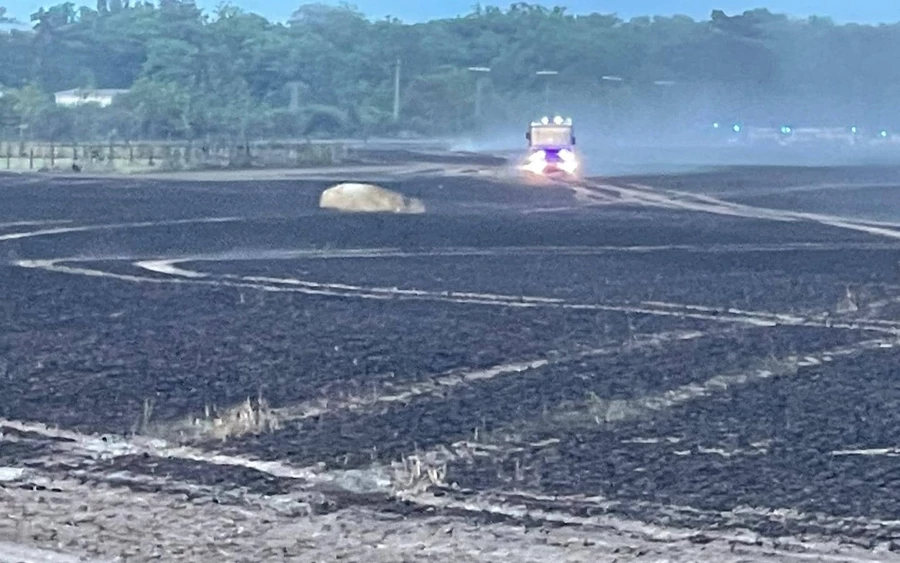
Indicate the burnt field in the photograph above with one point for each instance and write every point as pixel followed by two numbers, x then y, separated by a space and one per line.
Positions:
pixel 689 369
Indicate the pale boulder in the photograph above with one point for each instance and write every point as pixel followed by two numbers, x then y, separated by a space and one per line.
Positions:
pixel 351 196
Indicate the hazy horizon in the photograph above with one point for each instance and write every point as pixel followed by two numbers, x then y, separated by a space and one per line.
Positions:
pixel 839 10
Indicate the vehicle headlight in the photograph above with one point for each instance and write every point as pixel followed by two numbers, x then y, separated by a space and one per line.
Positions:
pixel 537 156
pixel 536 166
pixel 566 155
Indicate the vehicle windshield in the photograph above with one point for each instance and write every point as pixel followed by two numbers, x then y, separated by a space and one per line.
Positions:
pixel 551 135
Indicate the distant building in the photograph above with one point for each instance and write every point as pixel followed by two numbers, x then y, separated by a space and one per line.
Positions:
pixel 80 96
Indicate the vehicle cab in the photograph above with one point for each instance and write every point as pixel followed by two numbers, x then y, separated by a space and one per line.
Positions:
pixel 551 147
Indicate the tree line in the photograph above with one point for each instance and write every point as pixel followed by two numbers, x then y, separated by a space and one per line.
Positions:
pixel 330 71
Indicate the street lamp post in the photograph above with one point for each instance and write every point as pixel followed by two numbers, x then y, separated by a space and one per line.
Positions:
pixel 479 83
pixel 547 85
pixel 294 86
pixel 607 97
pixel 397 91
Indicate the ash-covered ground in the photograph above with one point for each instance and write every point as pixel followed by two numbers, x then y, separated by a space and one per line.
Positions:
pixel 684 367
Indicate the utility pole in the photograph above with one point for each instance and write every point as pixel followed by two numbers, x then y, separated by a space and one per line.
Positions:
pixel 294 87
pixel 479 84
pixel 547 85
pixel 397 92
pixel 607 97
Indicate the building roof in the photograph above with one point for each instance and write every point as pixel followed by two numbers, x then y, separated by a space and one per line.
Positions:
pixel 91 92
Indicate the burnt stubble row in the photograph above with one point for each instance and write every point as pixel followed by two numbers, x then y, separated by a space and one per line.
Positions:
pixel 87 353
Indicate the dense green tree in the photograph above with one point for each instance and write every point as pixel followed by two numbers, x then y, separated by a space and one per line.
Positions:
pixel 330 71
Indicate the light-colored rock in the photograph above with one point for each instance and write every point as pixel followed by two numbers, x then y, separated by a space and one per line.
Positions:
pixel 369 198
pixel 11 473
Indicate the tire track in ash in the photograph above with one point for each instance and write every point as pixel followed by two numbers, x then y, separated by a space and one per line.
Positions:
pixel 110 227
pixel 806 188
pixel 86 451
pixel 590 192
pixel 194 428
pixel 181 275
pixel 168 267
pixel 570 416
pixel 109 447
pixel 508 441
pixel 599 193
pixel 161 449
pixel 683 311
pixel 115 448
pixel 35 223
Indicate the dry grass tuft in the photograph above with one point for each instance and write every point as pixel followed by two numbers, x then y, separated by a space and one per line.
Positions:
pixel 849 303
pixel 606 411
pixel 781 366
pixel 415 475
pixel 249 417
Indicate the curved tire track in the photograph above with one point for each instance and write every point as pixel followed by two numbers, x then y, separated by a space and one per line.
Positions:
pixel 80 445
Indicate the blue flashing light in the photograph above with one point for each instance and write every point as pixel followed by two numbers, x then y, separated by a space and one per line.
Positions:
pixel 736 128
pixel 884 133
pixel 786 130
pixel 716 125
pixel 853 129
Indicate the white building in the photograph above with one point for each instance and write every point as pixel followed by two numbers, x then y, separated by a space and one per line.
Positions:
pixel 81 96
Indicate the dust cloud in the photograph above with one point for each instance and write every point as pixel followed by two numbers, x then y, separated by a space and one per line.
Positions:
pixel 673 128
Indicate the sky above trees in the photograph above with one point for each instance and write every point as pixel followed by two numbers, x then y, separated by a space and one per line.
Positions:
pixel 868 11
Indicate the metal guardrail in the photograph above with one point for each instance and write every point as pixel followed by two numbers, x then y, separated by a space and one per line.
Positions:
pixel 25 156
